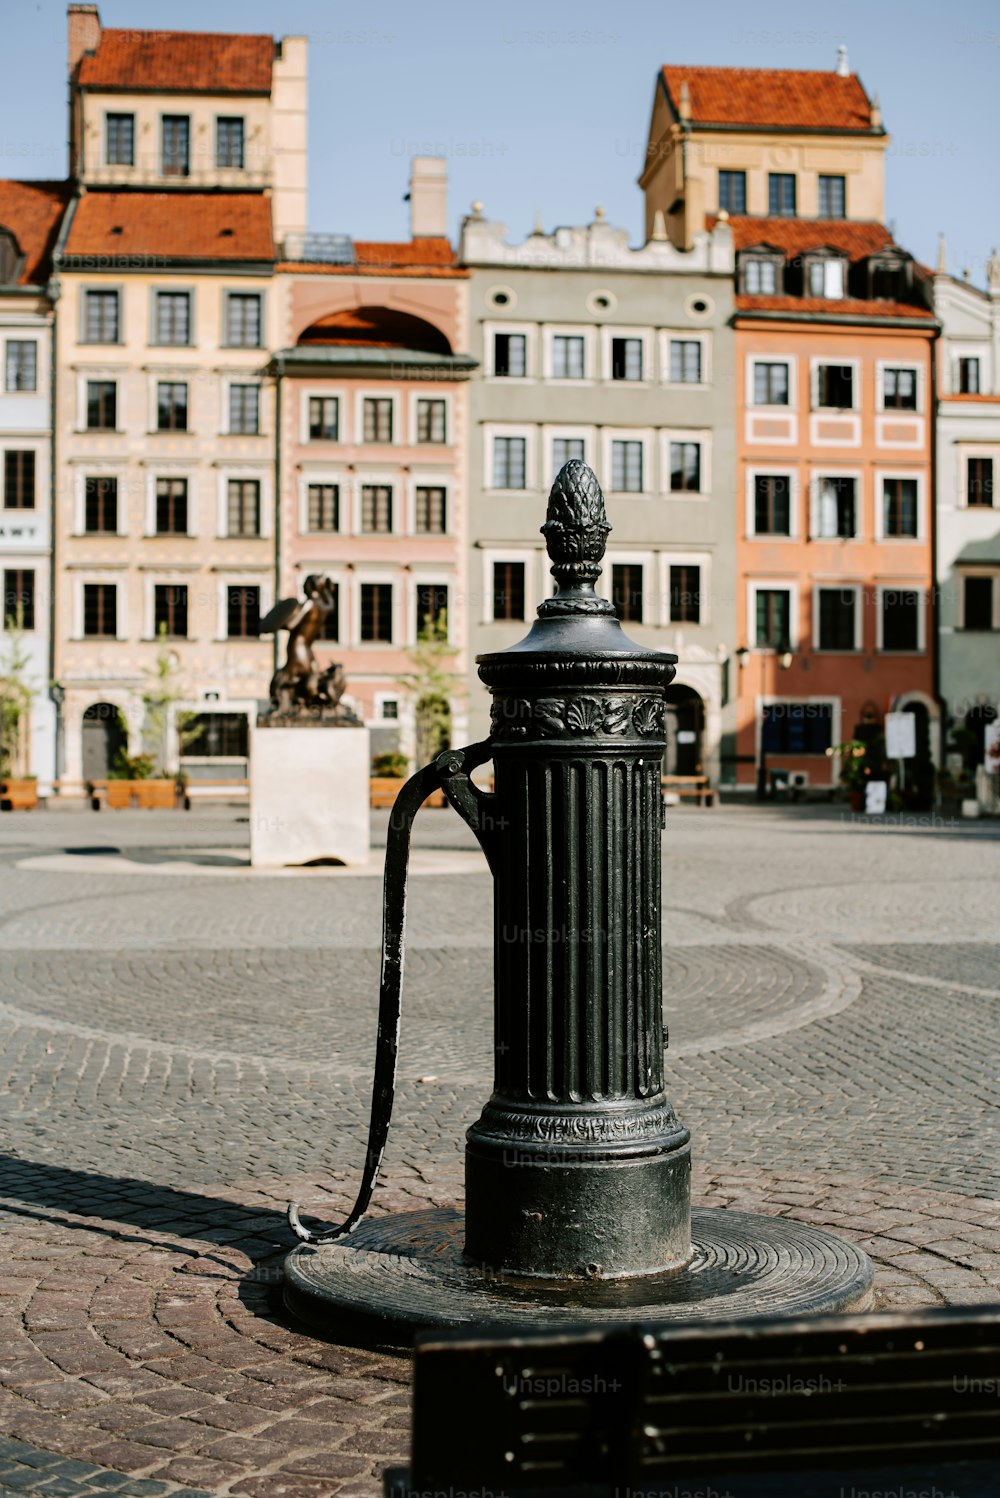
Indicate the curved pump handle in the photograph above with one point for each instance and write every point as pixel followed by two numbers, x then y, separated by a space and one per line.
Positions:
pixel 450 772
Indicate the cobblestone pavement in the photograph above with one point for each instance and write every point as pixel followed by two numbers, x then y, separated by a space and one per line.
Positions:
pixel 173 1075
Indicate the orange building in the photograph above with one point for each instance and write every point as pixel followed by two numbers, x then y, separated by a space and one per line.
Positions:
pixel 833 401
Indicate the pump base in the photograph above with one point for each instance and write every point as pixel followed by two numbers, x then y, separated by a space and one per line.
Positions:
pixel 401 1274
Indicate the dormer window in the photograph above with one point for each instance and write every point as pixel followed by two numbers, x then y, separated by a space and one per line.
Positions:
pixel 760 273
pixel 9 258
pixel 889 276
pixel 825 276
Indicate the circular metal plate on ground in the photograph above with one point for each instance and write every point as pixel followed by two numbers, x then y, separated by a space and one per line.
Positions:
pixel 404 1273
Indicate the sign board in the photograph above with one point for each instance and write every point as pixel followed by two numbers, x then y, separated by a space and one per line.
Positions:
pixel 900 735
pixel 876 797
pixel 686 736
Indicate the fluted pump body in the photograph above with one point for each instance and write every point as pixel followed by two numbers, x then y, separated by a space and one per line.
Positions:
pixel 578 1165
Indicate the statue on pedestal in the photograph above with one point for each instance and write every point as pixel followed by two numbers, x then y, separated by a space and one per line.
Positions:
pixel 302 692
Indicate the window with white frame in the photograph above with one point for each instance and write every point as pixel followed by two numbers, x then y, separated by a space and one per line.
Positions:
pixel 430 509
pixel 243 509
pixel 772 504
pixel 626 359
pixel 100 611
pixel 102 405
pixel 977 601
pixel 21 364
pixel 377 418
pixel 899 617
pixel 825 277
pixel 837 618
pixel 19 464
pixel 171 508
pixel 101 316
pixel 324 418
pixel 119 139
pixel 900 502
pixel 835 507
pixel 100 505
pixel 979 486
pixel 685 601
pixel 771 382
pixel 685 467
pixel 509 462
pixel 508 590
pixel 323 508
pixel 899 388
pixel 790 727
pixel 627 466
pixel 432 420
pixel 968 376
pixel 171 406
pixel 565 450
pixel 627 591
pixel 170 610
pixel 510 355
pixel 832 196
pixel 760 275
pixel 244 410
pixel 568 352
pixel 685 361
pixel 772 618
pixel 835 386
pixel 242 611
pixel 376 509
pixel 229 140
pixel 376 613
pixel 243 319
pixel 172 318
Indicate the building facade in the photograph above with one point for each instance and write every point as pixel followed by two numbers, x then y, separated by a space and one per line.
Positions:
pixel 165 416
pixel 968 468
pixel 372 373
pixel 833 409
pixel 591 349
pixel 30 214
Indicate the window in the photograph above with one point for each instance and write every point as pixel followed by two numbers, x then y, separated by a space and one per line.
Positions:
pixel 100 506
pixel 331 620
pixel 733 192
pixel 760 276
pixel 626 467
pixel 377 419
pixel 229 141
pixel 685 594
pixel 376 613
pixel 176 142
pixel 781 194
pixel 100 610
pixel 796 727
pixel 836 508
pixel 685 467
pixel 510 355
pixel 888 279
pixel 832 197
pixel 508 590
pixel 432 610
pixel 22 364
pixel 772 504
pixel 119 139
pixel 431 511
pixel 977 602
pixel 102 405
pixel 242 612
pixel 773 618
pixel 100 317
pixel 324 418
pixel 567 357
pixel 243 507
pixel 19 478
pixel 626 591
pixel 220 736
pixel 837 613
pixel 770 384
pixel 626 358
pixel 968 376
pixel 19 598
pixel 825 278
pixel 170 610
pixel 685 361
pixel 431 424
pixel 244 410
pixel 900 620
pixel 389 709
pixel 323 507
pixel 565 450
pixel 376 509
pixel 171 406
pixel 509 455
pixel 173 318
pixel 835 386
pixel 979 486
pixel 899 507
pixel 243 319
pixel 899 389
pixel 171 507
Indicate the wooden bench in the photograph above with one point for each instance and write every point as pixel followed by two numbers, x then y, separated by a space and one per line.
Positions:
pixel 215 790
pixel 18 795
pixel 383 790
pixel 696 786
pixel 123 795
pixel 758 1408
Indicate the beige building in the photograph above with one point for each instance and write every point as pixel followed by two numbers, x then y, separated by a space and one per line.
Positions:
pixel 165 422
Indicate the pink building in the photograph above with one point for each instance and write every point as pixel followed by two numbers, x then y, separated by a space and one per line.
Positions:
pixel 371 457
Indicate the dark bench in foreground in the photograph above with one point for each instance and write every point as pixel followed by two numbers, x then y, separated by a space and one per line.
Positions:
pixel 898 1404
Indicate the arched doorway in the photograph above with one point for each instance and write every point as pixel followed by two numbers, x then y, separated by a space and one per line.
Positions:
pixel 685 723
pixel 918 785
pixel 977 720
pixel 103 736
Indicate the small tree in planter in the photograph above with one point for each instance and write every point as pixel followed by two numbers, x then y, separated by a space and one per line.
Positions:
pixel 162 692
pixel 16 697
pixel 432 686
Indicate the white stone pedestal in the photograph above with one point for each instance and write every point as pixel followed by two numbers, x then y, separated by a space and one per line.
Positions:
pixel 309 796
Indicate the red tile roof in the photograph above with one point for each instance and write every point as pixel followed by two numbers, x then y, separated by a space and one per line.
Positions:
pixel 411 257
pixel 33 211
pixel 179 62
pixel 795 236
pixel 770 98
pixel 837 307
pixel 173 225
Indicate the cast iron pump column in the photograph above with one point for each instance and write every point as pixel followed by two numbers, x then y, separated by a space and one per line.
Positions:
pixel 578 1164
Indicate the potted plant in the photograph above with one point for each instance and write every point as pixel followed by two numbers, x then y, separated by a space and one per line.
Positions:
pixel 18 788
pixel 388 771
pixel 131 782
pixel 855 770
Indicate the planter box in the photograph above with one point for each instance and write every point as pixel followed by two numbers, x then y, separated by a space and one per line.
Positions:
pixel 384 789
pixel 145 795
pixel 18 795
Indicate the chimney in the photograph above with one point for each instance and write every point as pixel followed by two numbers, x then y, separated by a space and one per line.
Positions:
pixel 876 113
pixel 843 71
pixel 428 197
pixel 941 269
pixel 84 33
pixel 684 103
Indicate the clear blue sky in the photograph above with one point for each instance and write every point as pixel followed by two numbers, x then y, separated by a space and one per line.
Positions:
pixel 543 108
